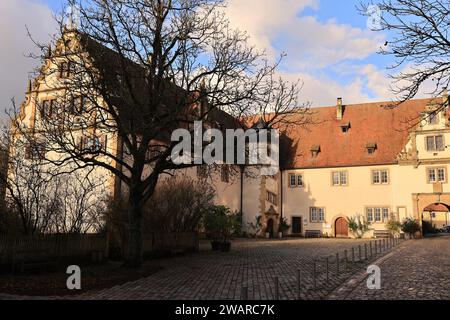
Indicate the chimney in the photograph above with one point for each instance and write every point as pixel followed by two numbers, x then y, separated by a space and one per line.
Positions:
pixel 340 109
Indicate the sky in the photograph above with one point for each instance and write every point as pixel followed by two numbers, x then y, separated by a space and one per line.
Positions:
pixel 329 47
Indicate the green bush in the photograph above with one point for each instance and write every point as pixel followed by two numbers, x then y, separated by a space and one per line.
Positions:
pixel 394 226
pixel 220 223
pixel 358 225
pixel 284 226
pixel 410 226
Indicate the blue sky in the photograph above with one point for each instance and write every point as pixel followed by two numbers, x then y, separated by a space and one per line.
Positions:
pixel 329 47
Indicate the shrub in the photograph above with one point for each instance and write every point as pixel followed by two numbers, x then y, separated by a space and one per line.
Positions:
pixel 284 226
pixel 410 226
pixel 394 226
pixel 256 226
pixel 220 223
pixel 358 225
pixel 178 205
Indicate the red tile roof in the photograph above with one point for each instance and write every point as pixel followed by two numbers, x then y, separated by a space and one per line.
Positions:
pixel 436 207
pixel 370 124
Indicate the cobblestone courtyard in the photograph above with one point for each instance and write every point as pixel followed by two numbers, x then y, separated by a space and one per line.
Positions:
pixel 415 269
pixel 255 265
pixel 250 264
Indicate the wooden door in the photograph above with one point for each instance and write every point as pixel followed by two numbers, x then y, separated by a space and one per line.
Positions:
pixel 269 229
pixel 296 225
pixel 341 228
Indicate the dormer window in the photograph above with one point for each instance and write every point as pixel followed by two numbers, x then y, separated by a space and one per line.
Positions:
pixel 371 148
pixel 433 118
pixel 345 127
pixel 315 150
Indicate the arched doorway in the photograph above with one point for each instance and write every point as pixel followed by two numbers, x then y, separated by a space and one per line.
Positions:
pixel 341 228
pixel 434 217
pixel 269 229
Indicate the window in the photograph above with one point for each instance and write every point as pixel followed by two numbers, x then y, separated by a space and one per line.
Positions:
pixel 435 143
pixel 380 177
pixel 295 180
pixel 345 127
pixel 78 105
pixel 47 108
pixel 370 215
pixel 433 118
pixel 317 214
pixel 437 175
pixel 377 214
pixel 35 151
pixel 339 178
pixel 315 150
pixel 65 70
pixel 371 147
pixel 292 181
pixel 92 144
pixel 272 198
pixel 385 214
pixel 299 180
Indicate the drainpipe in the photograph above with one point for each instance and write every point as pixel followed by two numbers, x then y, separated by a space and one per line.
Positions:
pixel 281 194
pixel 242 195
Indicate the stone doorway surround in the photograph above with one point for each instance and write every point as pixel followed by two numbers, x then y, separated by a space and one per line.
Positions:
pixel 423 200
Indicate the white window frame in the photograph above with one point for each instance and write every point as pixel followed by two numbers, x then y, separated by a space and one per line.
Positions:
pixel 317 214
pixel 380 177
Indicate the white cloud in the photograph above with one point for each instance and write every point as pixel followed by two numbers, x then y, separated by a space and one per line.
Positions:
pixel 265 19
pixel 313 48
pixel 15 45
pixel 323 91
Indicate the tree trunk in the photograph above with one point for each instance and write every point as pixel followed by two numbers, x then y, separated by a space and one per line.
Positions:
pixel 133 258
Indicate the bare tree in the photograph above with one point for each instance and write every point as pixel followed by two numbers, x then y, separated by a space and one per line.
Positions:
pixel 178 205
pixel 45 201
pixel 420 42
pixel 136 71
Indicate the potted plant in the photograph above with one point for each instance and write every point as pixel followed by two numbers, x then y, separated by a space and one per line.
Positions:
pixel 219 223
pixel 284 227
pixel 394 227
pixel 211 224
pixel 410 227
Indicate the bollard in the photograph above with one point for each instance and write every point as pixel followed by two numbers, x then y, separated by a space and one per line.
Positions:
pixel 277 292
pixel 244 293
pixel 376 248
pixel 359 253
pixel 299 284
pixel 370 248
pixel 353 255
pixel 365 251
pixel 346 261
pixel 381 247
pixel 327 269
pixel 314 275
pixel 337 264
